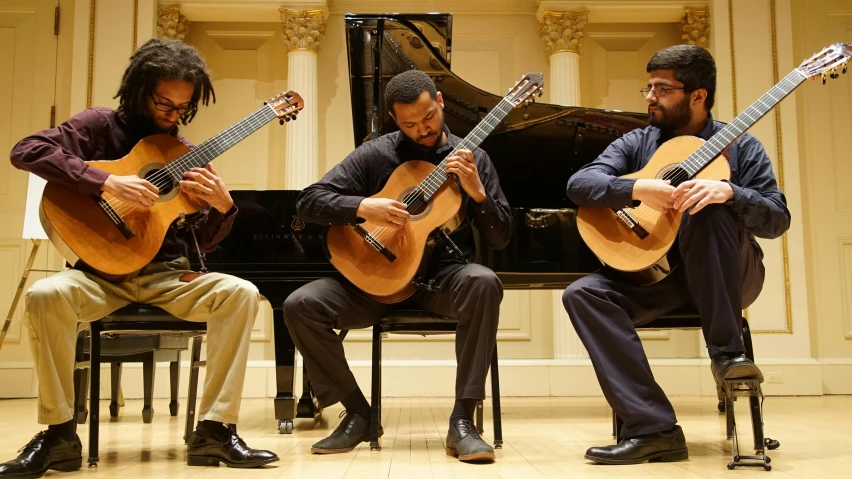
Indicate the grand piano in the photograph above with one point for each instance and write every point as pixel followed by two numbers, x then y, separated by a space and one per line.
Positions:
pixel 535 150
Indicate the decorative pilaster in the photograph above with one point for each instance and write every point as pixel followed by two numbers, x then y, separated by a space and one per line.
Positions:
pixel 562 33
pixel 695 27
pixel 303 35
pixel 171 24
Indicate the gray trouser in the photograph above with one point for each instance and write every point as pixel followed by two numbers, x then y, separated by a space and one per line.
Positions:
pixel 721 273
pixel 472 294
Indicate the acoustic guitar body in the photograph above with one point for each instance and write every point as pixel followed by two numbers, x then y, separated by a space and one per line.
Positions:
pixel 650 259
pixel 81 229
pixel 383 279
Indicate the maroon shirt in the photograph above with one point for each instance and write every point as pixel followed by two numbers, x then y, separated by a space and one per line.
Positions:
pixel 59 154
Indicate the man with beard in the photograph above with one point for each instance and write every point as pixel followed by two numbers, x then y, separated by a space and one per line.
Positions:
pixel 469 292
pixel 722 270
pixel 162 86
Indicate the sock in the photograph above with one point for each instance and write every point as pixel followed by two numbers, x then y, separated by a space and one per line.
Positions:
pixel 67 430
pixel 463 409
pixel 356 403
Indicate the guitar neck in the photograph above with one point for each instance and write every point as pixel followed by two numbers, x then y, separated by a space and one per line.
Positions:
pixel 222 142
pixel 726 136
pixel 438 176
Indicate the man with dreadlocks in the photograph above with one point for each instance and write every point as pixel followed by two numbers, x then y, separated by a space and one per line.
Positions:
pixel 162 86
pixel 460 289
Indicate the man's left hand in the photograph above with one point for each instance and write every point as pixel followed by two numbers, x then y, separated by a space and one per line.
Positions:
pixel 463 166
pixel 205 186
pixel 697 194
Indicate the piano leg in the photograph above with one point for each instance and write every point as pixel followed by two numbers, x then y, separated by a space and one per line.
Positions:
pixel 285 380
pixel 285 373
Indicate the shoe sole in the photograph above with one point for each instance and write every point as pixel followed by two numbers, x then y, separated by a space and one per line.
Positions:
pixel 214 462
pixel 316 450
pixel 68 465
pixel 479 456
pixel 666 456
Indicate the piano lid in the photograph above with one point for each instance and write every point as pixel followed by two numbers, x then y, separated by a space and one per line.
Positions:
pixel 535 149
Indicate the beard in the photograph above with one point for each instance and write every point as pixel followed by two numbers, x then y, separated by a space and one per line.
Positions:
pixel 671 119
pixel 419 141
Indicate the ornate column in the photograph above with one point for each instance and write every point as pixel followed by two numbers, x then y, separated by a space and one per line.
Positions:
pixel 695 27
pixel 562 33
pixel 303 35
pixel 171 24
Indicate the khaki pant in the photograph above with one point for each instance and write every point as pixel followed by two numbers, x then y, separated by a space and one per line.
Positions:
pixel 56 304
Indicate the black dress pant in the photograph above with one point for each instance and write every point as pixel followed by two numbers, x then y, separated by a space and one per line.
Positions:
pixel 471 293
pixel 721 273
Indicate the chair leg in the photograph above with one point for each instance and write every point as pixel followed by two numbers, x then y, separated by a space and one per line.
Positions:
pixel 115 385
pixel 148 386
pixel 749 349
pixel 479 419
pixel 495 399
pixel 174 381
pixel 194 364
pixel 376 396
pixel 81 386
pixel 94 390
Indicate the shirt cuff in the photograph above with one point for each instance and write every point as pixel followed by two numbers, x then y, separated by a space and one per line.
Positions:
pixel 91 181
pixel 349 209
pixel 622 189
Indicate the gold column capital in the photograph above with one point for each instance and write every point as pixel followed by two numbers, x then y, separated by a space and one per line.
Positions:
pixel 563 31
pixel 695 27
pixel 171 24
pixel 303 29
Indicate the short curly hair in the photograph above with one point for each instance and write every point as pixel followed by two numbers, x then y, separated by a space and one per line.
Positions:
pixel 163 60
pixel 693 66
pixel 407 87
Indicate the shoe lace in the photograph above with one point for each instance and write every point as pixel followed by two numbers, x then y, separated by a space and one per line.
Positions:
pixel 35 440
pixel 471 429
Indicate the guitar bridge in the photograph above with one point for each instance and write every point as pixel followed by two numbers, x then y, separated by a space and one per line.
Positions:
pixel 115 218
pixel 631 223
pixel 372 241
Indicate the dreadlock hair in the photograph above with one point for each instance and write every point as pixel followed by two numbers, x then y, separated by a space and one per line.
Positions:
pixel 693 66
pixel 163 60
pixel 407 87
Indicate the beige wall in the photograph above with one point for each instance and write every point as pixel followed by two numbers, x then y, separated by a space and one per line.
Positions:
pixel 803 314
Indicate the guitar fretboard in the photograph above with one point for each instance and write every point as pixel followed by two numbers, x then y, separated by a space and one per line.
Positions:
pixel 215 146
pixel 430 185
pixel 724 137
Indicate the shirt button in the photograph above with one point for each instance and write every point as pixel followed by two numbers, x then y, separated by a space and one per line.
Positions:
pixel 482 211
pixel 492 227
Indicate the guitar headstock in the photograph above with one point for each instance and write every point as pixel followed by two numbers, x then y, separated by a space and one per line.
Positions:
pixel 827 62
pixel 525 89
pixel 286 105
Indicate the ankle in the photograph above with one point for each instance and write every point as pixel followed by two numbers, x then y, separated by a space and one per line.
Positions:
pixel 66 430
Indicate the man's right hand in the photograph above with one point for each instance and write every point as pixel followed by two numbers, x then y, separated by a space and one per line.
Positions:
pixel 655 193
pixel 383 212
pixel 132 190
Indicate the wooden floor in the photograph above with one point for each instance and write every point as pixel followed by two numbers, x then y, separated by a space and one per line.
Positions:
pixel 544 437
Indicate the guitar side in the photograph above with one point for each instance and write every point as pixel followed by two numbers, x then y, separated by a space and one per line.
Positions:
pixel 80 229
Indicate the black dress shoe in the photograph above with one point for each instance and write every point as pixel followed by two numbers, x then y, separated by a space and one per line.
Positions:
pixel 352 430
pixel 726 366
pixel 211 445
pixel 667 446
pixel 464 442
pixel 46 450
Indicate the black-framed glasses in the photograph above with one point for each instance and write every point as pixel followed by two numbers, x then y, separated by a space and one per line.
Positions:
pixel 659 91
pixel 167 108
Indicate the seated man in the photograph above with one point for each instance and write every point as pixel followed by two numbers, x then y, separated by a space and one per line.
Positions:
pixel 469 292
pixel 162 85
pixel 721 272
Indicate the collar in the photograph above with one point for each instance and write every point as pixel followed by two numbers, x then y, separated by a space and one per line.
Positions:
pixel 451 142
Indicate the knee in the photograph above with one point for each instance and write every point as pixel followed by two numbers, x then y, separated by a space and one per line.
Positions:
pixel 482 282
pixel 296 306
pixel 710 218
pixel 578 297
pixel 572 296
pixel 44 291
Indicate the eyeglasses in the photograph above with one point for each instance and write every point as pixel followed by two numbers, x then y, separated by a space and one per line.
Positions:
pixel 659 91
pixel 167 108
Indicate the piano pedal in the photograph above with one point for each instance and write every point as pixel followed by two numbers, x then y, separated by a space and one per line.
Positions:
pixel 751 389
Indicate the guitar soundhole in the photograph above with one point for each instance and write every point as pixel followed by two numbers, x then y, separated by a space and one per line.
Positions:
pixel 675 173
pixel 417 205
pixel 154 173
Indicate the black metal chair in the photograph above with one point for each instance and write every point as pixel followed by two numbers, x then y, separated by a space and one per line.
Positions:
pixel 414 321
pixel 140 321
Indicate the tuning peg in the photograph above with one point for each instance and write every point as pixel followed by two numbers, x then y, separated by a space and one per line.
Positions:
pixel 844 68
pixel 280 121
pixel 823 78
pixel 293 116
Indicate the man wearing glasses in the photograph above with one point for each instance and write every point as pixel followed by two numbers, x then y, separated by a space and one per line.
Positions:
pixel 722 270
pixel 162 86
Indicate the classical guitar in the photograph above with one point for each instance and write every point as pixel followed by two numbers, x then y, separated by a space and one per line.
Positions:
pixel 384 261
pixel 115 238
pixel 637 241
